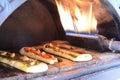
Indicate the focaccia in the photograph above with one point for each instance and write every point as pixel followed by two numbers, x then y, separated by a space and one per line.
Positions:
pixel 37 54
pixel 23 63
pixel 74 56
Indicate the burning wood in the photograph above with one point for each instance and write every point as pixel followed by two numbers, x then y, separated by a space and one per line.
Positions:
pixel 110 44
pixel 98 42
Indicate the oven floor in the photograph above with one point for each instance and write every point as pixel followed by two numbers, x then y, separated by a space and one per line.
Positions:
pixel 109 74
pixel 104 72
pixel 67 69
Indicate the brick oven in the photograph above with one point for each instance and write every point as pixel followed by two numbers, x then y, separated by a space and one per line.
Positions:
pixel 34 22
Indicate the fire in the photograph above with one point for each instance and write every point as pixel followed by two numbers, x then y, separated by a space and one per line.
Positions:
pixel 77 15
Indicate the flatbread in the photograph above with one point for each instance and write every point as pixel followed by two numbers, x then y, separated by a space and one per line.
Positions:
pixel 23 63
pixel 74 56
pixel 37 54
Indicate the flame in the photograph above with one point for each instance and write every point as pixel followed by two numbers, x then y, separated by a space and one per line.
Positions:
pixel 76 15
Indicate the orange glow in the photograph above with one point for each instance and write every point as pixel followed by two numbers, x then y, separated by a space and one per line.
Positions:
pixel 77 15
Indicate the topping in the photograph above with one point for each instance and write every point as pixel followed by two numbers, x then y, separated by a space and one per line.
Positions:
pixel 3 53
pixel 38 52
pixel 12 55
